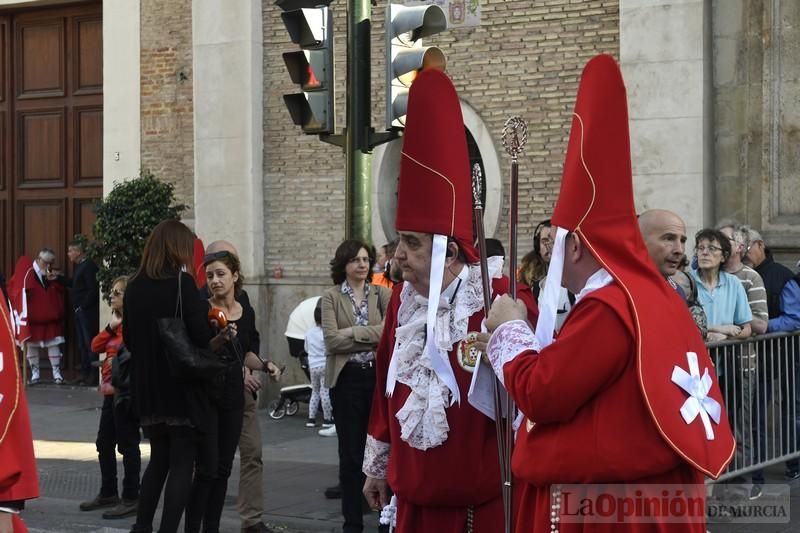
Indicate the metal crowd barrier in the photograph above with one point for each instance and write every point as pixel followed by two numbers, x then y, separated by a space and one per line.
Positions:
pixel 760 382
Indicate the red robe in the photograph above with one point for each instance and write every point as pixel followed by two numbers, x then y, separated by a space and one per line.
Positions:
pixel 18 476
pixel 434 487
pixel 590 422
pixel 44 306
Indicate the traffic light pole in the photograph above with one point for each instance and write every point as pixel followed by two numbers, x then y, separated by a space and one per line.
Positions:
pixel 357 141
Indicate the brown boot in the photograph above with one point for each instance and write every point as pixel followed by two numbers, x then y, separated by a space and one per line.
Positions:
pixel 125 508
pixel 99 502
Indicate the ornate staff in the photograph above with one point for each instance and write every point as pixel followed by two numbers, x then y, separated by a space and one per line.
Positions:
pixel 514 136
pixel 477 212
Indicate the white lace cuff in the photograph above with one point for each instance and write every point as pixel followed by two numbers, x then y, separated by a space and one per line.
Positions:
pixel 508 341
pixel 376 458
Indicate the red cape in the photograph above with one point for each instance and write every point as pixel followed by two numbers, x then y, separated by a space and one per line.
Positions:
pixel 596 203
pixel 197 259
pixel 18 476
pixel 16 293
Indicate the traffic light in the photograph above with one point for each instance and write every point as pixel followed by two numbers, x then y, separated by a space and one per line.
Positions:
pixel 405 55
pixel 311 68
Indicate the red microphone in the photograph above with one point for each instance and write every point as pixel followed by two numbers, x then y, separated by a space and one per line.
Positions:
pixel 217 319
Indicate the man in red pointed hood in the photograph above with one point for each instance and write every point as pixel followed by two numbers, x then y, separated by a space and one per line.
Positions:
pixel 18 476
pixel 443 467
pixel 626 394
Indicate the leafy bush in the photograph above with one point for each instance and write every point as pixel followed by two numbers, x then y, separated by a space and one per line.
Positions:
pixel 124 220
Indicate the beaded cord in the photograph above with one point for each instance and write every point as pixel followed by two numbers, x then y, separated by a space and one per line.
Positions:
pixel 555 507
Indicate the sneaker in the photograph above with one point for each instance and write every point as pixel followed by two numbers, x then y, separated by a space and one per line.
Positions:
pixel 99 502
pixel 755 492
pixel 123 509
pixel 327 423
pixel 311 423
pixel 58 381
pixel 34 376
pixel 327 432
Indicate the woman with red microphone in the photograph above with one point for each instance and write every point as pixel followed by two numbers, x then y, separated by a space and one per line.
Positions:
pixel 215 458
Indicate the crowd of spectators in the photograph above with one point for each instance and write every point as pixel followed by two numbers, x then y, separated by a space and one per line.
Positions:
pixel 734 290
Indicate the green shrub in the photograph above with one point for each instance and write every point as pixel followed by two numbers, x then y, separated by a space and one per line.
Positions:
pixel 124 220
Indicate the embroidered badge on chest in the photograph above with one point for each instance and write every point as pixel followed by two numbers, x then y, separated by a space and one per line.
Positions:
pixel 468 354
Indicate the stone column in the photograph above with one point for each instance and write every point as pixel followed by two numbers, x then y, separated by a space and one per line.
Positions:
pixel 665 53
pixel 228 133
pixel 121 98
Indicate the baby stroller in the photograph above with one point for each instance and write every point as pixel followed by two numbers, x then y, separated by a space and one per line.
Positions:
pixel 300 321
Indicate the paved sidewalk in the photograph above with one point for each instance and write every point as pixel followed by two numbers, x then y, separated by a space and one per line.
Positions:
pixel 298 465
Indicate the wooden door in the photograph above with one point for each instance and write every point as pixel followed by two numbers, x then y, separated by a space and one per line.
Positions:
pixel 51 129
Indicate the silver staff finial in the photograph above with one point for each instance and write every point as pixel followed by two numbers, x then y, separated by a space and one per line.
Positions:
pixel 515 135
pixel 477 186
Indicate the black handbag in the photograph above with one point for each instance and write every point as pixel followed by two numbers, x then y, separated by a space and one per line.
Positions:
pixel 186 360
pixel 121 375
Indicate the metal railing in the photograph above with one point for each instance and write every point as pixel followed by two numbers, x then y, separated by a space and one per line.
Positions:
pixel 760 382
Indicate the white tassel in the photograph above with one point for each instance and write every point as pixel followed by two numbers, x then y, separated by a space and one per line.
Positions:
pixel 389 514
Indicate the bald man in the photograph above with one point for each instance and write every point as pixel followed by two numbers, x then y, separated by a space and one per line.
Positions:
pixel 250 502
pixel 665 237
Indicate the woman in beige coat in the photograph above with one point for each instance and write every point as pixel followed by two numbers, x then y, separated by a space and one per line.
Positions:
pixel 352 323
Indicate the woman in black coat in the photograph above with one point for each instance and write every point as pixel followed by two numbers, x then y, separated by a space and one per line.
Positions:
pixel 171 411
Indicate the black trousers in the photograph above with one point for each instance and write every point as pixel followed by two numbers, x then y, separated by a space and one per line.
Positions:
pixel 784 368
pixel 118 430
pixel 172 453
pixel 354 388
pixel 84 340
pixel 209 487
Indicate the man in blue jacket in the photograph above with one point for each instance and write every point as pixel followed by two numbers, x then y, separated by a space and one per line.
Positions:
pixel 783 304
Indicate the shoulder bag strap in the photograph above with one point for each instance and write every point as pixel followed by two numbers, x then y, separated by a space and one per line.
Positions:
pixel 692 296
pixel 179 299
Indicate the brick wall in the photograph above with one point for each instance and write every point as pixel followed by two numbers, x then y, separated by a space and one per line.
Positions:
pixel 166 94
pixel 525 59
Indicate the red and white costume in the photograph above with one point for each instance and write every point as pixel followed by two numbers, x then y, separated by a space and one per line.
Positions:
pixel 18 476
pixel 437 451
pixel 626 394
pixel 38 306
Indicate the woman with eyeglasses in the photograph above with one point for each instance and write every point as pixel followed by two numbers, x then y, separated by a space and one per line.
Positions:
pixel 119 427
pixel 352 323
pixel 173 410
pixel 534 265
pixel 721 294
pixel 224 281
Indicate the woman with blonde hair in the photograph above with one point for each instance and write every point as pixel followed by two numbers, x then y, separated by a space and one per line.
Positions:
pixel 119 427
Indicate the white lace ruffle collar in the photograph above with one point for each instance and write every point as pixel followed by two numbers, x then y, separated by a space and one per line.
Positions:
pixel 423 417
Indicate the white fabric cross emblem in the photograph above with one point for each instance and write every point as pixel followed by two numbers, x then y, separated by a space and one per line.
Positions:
pixel 698 402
